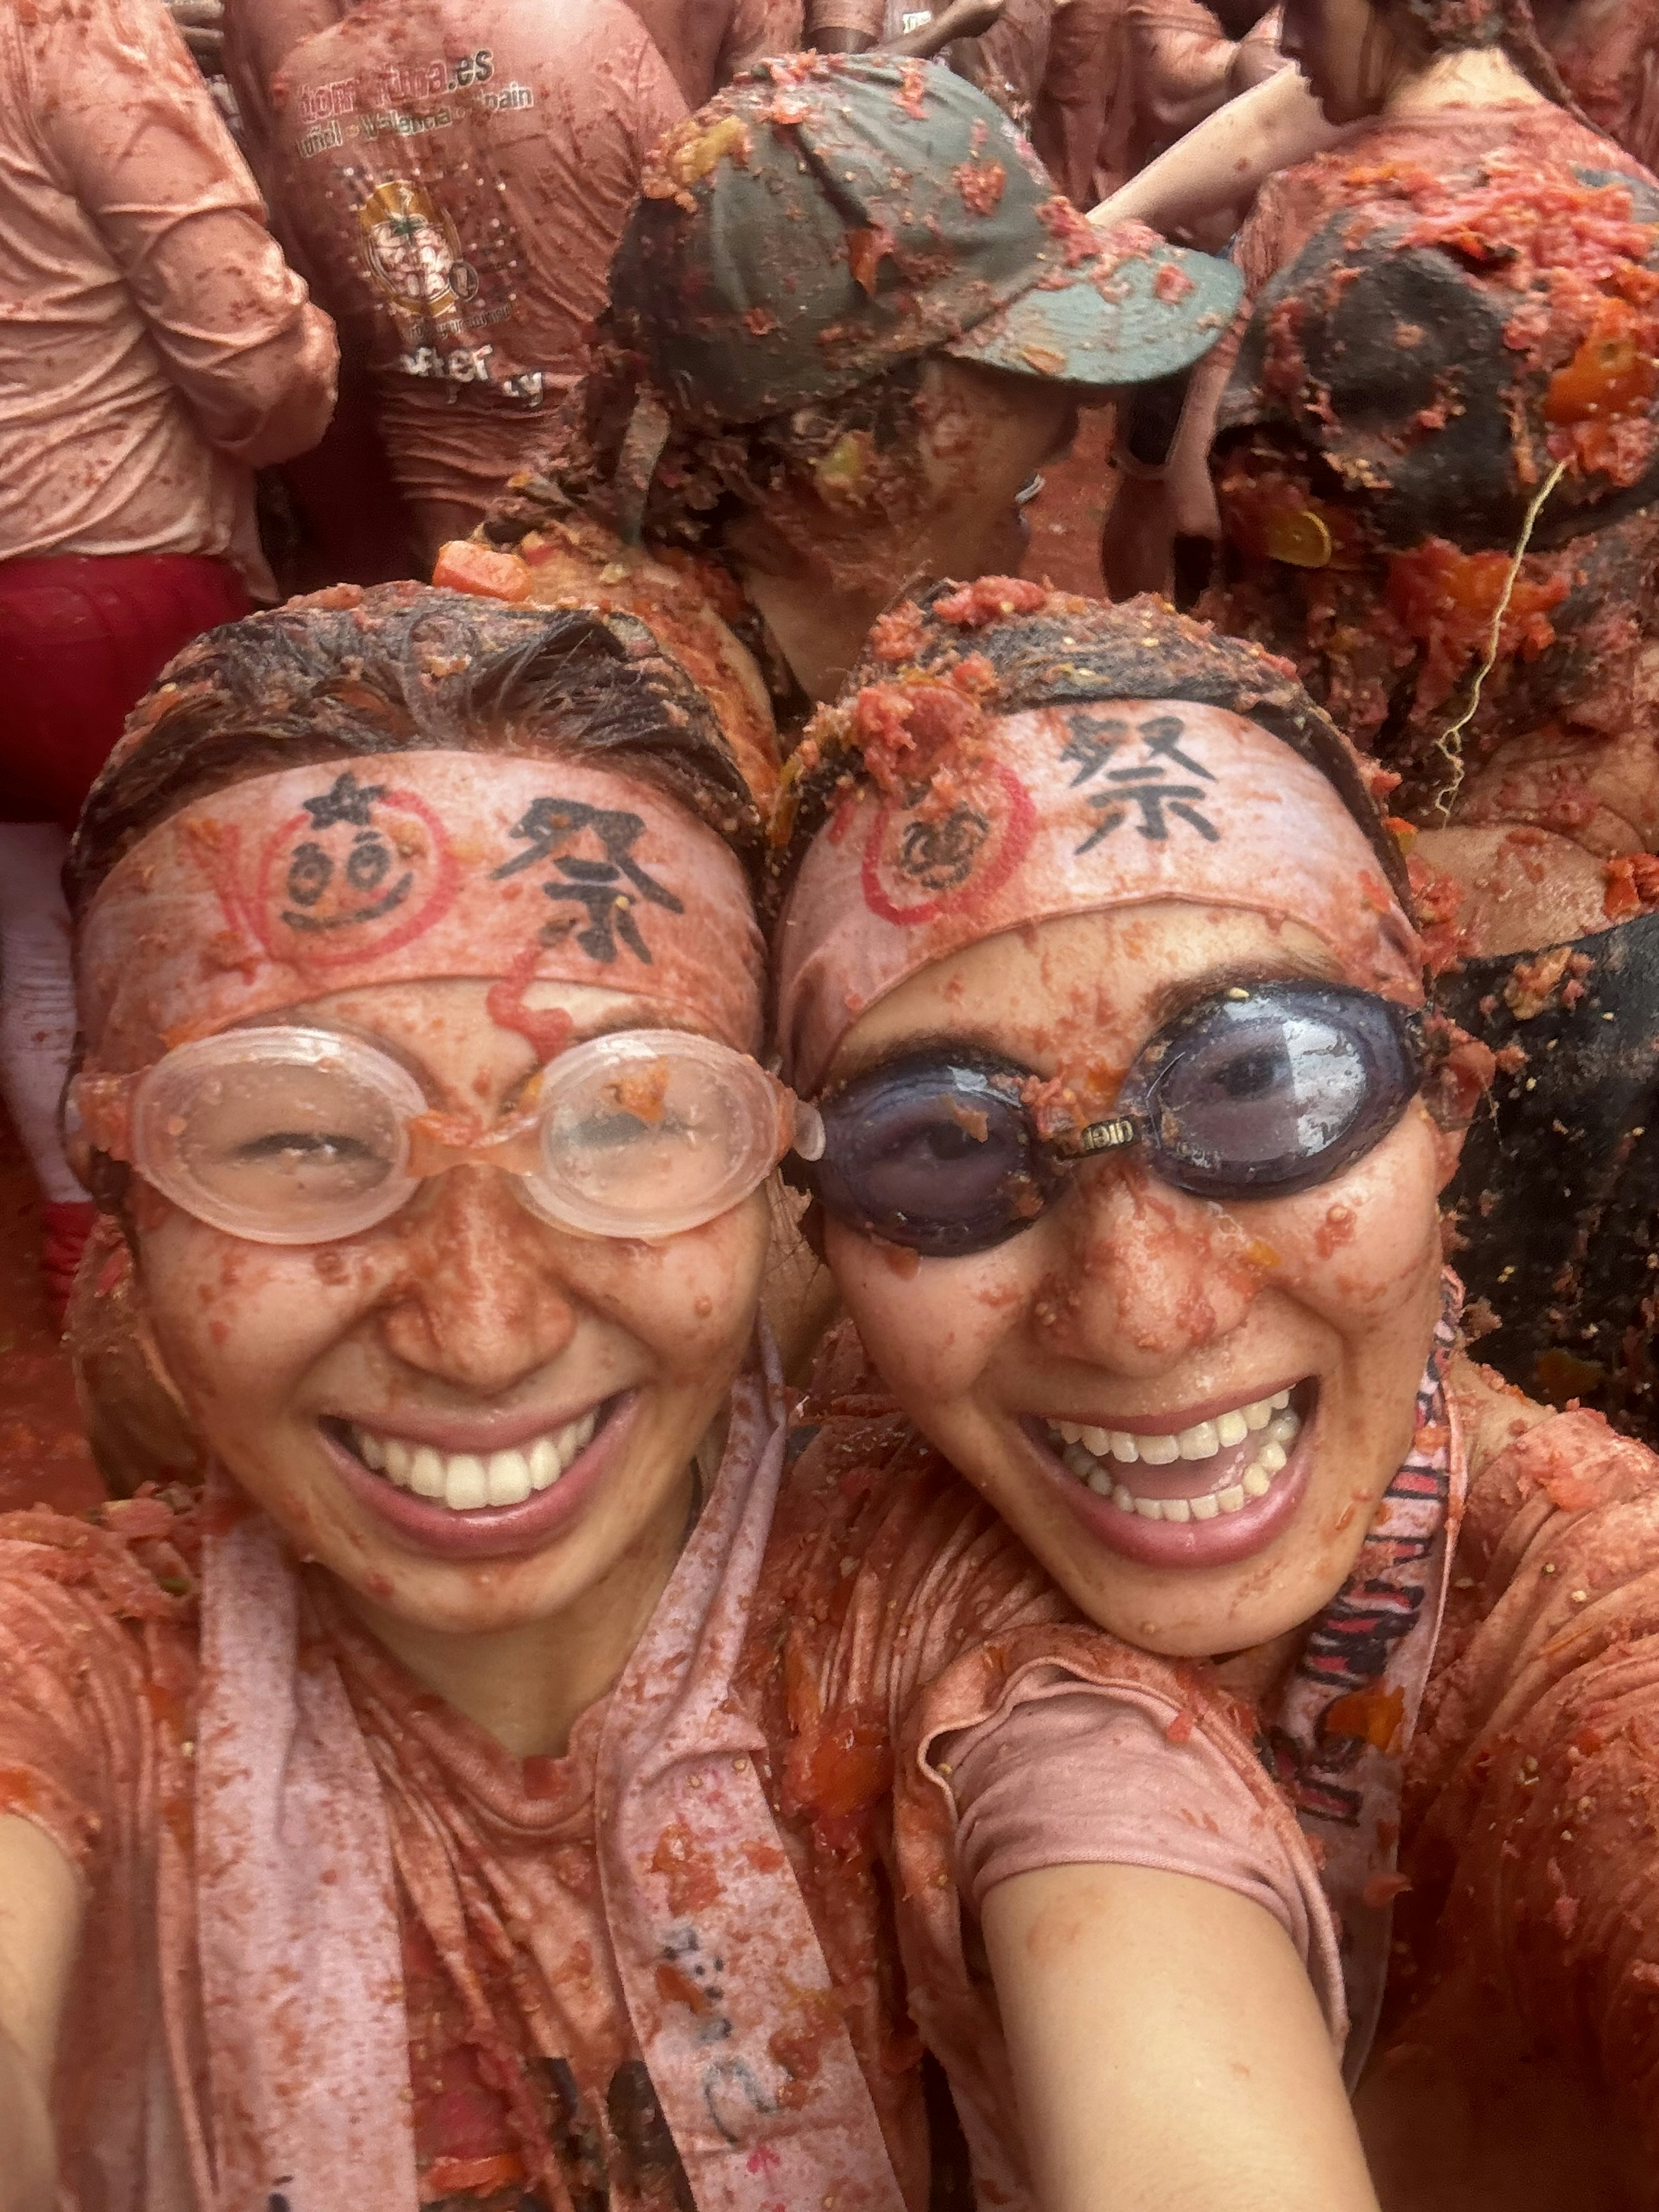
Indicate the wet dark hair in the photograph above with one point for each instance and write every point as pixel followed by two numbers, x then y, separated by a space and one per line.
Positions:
pixel 702 479
pixel 1056 650
pixel 407 668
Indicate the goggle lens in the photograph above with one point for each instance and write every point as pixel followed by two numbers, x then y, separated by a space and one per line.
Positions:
pixel 1272 1093
pixel 306 1138
pixel 1252 1094
pixel 660 1127
pixel 938 1155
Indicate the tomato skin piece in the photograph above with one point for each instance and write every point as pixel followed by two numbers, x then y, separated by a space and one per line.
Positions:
pixel 461 566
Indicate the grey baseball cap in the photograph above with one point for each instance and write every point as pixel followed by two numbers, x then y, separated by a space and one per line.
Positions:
pixel 828 216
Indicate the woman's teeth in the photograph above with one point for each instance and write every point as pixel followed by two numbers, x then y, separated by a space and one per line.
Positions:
pixel 1089 1454
pixel 465 1480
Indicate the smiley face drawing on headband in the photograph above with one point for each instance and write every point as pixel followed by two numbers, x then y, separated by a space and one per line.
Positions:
pixel 1134 1124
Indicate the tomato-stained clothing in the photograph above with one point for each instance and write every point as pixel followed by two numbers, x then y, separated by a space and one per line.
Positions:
pixel 706 43
pixel 1184 66
pixel 155 347
pixel 457 174
pixel 341 1947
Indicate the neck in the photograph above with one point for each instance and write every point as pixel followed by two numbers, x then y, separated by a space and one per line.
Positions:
pixel 1480 76
pixel 819 604
pixel 528 1684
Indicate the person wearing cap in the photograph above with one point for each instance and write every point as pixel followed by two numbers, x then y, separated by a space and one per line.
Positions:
pixel 456 178
pixel 1432 487
pixel 848 319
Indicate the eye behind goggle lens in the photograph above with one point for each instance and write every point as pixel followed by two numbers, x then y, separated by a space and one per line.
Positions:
pixel 935 1154
pixel 278 1136
pixel 1278 1091
pixel 648 1133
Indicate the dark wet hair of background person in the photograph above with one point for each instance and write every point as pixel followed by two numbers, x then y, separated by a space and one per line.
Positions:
pixel 1054 650
pixel 404 667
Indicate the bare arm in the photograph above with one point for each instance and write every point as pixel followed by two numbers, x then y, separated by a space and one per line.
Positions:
pixel 1168 2050
pixel 1227 158
pixel 40 1926
pixel 962 19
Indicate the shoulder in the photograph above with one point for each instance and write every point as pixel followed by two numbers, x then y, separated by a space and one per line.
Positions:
pixel 133 1560
pixel 1521 1453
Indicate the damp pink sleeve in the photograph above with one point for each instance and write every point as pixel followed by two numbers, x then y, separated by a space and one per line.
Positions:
pixel 867 16
pixel 134 137
pixel 1077 1776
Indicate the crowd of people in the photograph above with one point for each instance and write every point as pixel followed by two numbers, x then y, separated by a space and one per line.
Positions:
pixel 874 1349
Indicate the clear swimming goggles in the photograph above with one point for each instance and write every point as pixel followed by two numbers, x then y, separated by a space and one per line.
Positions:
pixel 302 1136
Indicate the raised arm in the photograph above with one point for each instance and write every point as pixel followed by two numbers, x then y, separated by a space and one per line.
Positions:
pixel 39 1927
pixel 1167 2048
pixel 136 139
pixel 1227 158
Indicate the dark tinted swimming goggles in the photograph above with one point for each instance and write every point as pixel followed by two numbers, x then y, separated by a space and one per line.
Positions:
pixel 1256 1093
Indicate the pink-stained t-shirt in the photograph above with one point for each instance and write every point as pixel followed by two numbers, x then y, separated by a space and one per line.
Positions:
pixel 706 43
pixel 1184 66
pixel 155 347
pixel 1082 121
pixel 457 174
pixel 1008 61
pixel 259 36
pixel 341 1946
pixel 1133 1790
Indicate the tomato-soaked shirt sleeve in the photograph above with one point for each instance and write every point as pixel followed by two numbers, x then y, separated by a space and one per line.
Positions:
pixel 1079 1776
pixel 136 138
pixel 900 1614
pixel 1533 1794
pixel 75 1713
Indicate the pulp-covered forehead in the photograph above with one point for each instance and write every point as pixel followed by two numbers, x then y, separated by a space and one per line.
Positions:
pixel 415 867
pixel 1076 810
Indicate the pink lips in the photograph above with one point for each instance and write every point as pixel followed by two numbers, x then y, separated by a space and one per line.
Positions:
pixel 1222 1542
pixel 492 1531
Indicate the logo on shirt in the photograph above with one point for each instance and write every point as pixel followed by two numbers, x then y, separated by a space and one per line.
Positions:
pixel 412 251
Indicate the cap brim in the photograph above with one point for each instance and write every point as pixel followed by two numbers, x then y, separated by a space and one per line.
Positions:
pixel 1125 318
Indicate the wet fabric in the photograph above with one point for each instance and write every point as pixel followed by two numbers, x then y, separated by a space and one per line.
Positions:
pixel 1201 810
pixel 259 36
pixel 1183 66
pixel 1080 127
pixel 458 176
pixel 1520 2053
pixel 609 1975
pixel 81 639
pixel 155 347
pixel 1573 1109
pixel 412 867
pixel 705 46
pixel 1359 550
pixel 917 219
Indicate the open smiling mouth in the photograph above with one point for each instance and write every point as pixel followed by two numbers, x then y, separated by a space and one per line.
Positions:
pixel 469 1482
pixel 1199 1474
pixel 1209 1494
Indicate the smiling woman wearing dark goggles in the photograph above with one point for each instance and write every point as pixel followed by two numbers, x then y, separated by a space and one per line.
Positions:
pixel 1252 1093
